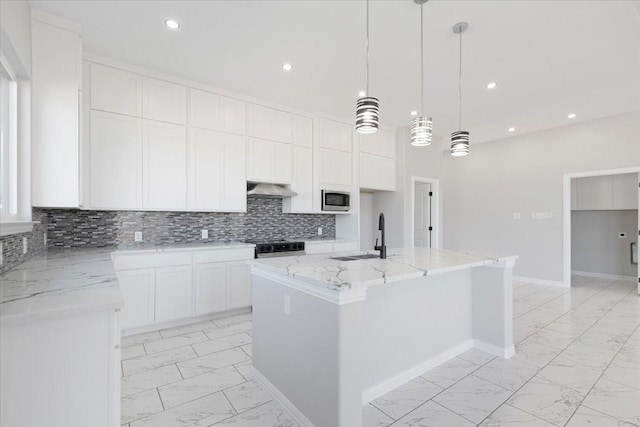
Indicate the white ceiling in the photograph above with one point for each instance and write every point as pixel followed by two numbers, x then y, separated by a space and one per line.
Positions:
pixel 549 58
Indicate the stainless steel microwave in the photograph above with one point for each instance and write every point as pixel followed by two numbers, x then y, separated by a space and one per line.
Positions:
pixel 335 201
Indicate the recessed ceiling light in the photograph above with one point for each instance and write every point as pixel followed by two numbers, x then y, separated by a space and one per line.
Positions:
pixel 512 129
pixel 287 67
pixel 414 113
pixel 492 85
pixel 572 116
pixel 172 24
pixel 362 93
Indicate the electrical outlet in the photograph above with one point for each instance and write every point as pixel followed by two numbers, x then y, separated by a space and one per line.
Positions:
pixel 287 305
pixel 137 236
pixel 25 245
pixel 622 235
pixel 205 234
pixel 319 231
pixel 1 255
pixel 44 239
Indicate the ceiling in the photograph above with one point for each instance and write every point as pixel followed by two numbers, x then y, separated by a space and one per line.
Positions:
pixel 549 58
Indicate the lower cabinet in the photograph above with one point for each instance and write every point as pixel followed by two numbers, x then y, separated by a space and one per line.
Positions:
pixel 138 291
pixel 238 284
pixel 174 293
pixel 211 287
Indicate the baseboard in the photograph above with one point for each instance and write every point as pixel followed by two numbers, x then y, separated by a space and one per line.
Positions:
pixel 541 281
pixel 403 377
pixel 277 395
pixel 603 275
pixel 494 349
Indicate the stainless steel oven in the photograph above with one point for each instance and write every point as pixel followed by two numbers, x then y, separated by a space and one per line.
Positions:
pixel 338 201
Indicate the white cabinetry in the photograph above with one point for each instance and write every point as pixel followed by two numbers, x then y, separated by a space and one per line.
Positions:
pixel 334 150
pixel 55 127
pixel 302 182
pixel 269 123
pixel 378 160
pixel 164 165
pixel 138 291
pixel 609 192
pixel 268 161
pixel 215 112
pixel 163 101
pixel 330 246
pixel 211 287
pixel 174 293
pixel 116 161
pixel 116 91
pixel 335 168
pixel 334 135
pixel 238 284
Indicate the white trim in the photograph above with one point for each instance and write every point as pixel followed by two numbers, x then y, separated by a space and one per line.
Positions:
pixel 277 395
pixel 603 275
pixel 15 227
pixel 407 375
pixel 505 353
pixel 566 184
pixel 341 297
pixel 55 21
pixel 435 209
pixel 541 281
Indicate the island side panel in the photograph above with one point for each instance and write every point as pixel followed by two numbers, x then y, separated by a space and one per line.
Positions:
pixel 414 325
pixel 311 356
pixel 493 309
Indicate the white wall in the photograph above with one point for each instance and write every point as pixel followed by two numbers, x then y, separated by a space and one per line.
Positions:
pixel 366 221
pixel 525 174
pixel 595 245
pixel 15 23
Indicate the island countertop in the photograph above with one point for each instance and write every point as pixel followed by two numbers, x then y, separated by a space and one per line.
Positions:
pixel 400 264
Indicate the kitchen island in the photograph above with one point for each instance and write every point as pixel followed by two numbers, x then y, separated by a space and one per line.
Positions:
pixel 333 334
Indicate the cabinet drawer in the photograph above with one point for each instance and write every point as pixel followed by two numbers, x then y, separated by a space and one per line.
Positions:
pixel 164 259
pixel 346 246
pixel 318 248
pixel 221 255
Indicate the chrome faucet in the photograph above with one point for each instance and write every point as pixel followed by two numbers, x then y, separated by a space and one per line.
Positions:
pixel 382 248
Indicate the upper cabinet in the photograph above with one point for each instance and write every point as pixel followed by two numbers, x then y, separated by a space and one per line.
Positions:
pixel 609 192
pixel 269 123
pixel 381 143
pixel 163 101
pixel 302 167
pixel 302 131
pixel 334 135
pixel 269 161
pixel 55 104
pixel 378 160
pixel 215 112
pixel 116 91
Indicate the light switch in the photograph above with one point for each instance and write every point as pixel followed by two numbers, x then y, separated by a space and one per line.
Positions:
pixel 25 245
pixel 205 234
pixel 319 231
pixel 137 236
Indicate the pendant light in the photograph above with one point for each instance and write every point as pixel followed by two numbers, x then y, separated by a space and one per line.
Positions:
pixel 460 138
pixel 367 107
pixel 422 127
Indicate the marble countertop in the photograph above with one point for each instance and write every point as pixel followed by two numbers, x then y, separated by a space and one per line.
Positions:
pixel 168 247
pixel 60 280
pixel 401 264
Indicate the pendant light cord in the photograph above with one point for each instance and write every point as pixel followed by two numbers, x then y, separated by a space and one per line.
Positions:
pixel 367 61
pixel 421 60
pixel 460 86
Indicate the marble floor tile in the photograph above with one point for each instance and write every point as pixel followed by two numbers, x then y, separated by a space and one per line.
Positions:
pixel 229 320
pixel 578 354
pixel 211 362
pixel 615 399
pixel 185 329
pixel 269 414
pixel 140 405
pixel 246 396
pixel 585 417
pixel 628 356
pixel 148 380
pixel 156 360
pixel 219 344
pixel 552 402
pixel 232 329
pixel 572 328
pixel 406 398
pixel 140 338
pixel 507 373
pixel 507 415
pixel 175 342
pixel 244 369
pixel 524 328
pixel 534 352
pixel 450 372
pixel 579 378
pixel 373 417
pixel 473 398
pixel 132 351
pixel 477 357
pixel 201 412
pixel 195 387
pixel 248 348
pixel 432 414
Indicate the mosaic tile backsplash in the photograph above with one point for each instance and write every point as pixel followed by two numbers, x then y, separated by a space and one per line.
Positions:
pixel 12 245
pixel 263 220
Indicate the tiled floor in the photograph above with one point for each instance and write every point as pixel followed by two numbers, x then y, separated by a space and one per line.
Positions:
pixel 577 363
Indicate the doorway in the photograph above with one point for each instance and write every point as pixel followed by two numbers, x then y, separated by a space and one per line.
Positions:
pixel 424 212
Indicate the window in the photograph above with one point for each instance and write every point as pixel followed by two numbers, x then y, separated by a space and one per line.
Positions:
pixel 8 143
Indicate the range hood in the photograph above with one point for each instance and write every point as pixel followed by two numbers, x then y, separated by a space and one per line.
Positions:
pixel 270 191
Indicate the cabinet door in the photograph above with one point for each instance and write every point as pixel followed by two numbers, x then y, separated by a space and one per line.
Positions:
pixel 302 131
pixel 318 248
pixel 260 158
pixel 335 167
pixel 164 101
pixel 302 181
pixel 269 123
pixel 54 116
pixel 381 143
pixel 174 293
pixel 238 284
pixel 235 174
pixel 334 135
pixel 211 287
pixel 595 193
pixel 215 112
pixel 138 291
pixel 164 166
pixel 116 91
pixel 377 172
pixel 625 191
pixel 281 172
pixel 116 161
pixel 206 169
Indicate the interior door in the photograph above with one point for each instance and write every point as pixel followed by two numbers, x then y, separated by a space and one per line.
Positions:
pixel 422 215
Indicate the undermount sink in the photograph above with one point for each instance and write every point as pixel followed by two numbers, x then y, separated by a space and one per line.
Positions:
pixel 355 257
